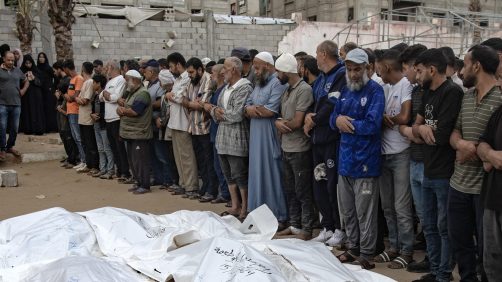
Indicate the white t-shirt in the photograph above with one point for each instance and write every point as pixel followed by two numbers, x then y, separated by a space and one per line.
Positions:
pixel 115 87
pixel 395 95
pixel 377 79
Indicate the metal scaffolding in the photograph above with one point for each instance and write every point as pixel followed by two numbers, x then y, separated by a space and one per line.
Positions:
pixel 433 27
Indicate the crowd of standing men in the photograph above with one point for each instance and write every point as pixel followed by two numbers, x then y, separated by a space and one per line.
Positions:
pixel 371 140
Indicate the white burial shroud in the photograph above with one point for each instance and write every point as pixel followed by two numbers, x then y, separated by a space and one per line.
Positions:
pixel 111 244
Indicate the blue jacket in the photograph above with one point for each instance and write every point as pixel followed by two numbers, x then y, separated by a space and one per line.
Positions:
pixel 360 153
pixel 326 83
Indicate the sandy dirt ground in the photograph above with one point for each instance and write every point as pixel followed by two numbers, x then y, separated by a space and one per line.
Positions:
pixel 58 187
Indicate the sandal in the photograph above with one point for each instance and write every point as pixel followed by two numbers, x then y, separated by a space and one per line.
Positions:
pixel 225 213
pixel 346 257
pixel 385 257
pixel 228 204
pixel 363 263
pixel 400 262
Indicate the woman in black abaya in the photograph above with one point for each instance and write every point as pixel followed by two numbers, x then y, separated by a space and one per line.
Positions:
pixel 32 119
pixel 47 80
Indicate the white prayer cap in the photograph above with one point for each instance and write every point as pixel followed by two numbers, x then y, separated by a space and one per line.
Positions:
pixel 166 77
pixel 287 63
pixel 133 73
pixel 205 61
pixel 266 57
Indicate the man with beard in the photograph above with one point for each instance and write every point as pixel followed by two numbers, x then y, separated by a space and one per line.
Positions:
pixel 178 122
pixel 232 138
pixel 136 129
pixel 482 99
pixel 198 92
pixel 262 107
pixel 297 156
pixel 160 166
pixel 358 116
pixel 325 141
pixel 310 70
pixel 248 71
pixel 10 103
pixel 110 95
pixel 218 84
pixel 434 124
pixel 496 44
pixel 407 59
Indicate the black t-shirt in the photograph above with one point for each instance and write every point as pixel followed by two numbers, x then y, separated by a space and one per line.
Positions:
pixel 491 193
pixel 440 109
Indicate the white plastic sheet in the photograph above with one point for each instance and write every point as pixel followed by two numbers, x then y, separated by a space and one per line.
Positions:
pixel 77 269
pixel 108 244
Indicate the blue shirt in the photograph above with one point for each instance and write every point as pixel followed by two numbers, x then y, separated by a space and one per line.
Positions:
pixel 213 128
pixel 360 152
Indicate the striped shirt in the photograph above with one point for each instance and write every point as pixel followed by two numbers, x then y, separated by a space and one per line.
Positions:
pixel 199 121
pixel 471 122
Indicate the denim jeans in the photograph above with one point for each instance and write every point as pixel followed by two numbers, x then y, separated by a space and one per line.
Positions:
pixel 9 117
pixel 204 155
pixel 160 162
pixel 416 181
pixel 297 177
pixel 223 187
pixel 434 203
pixel 395 194
pixel 75 133
pixel 492 232
pixel 106 162
pixel 465 217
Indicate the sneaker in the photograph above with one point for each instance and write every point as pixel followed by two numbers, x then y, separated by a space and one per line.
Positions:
pixel 291 230
pixel 419 267
pixel 63 164
pixel 141 190
pixel 98 174
pixel 323 236
pixel 93 171
pixel 80 165
pixel 337 239
pixel 69 166
pixel 426 278
pixel 106 176
pixel 83 169
pixel 178 191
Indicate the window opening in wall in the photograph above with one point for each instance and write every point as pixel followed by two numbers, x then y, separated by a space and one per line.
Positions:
pixel 350 14
pixel 312 19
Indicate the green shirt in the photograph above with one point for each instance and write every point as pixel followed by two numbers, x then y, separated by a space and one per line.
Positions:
pixel 138 127
pixel 471 122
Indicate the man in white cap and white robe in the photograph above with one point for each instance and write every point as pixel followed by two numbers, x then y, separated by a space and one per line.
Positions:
pixel 262 108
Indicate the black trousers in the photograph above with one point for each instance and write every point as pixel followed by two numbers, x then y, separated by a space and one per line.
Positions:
pixel 138 153
pixel 68 143
pixel 118 148
pixel 90 148
pixel 205 163
pixel 325 191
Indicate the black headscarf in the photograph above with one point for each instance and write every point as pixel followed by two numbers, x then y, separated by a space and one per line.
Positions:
pixel 33 69
pixel 45 67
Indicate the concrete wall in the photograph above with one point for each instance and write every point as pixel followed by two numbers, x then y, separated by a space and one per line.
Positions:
pixel 306 36
pixel 199 39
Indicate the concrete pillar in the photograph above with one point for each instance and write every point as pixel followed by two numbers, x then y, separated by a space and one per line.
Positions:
pixel 210 33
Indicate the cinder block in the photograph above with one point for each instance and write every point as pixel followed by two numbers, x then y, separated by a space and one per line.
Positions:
pixel 8 178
